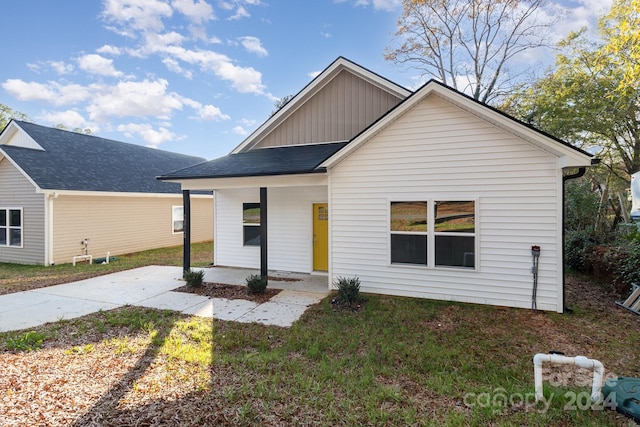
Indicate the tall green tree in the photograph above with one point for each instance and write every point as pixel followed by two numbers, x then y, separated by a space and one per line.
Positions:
pixel 7 113
pixel 587 99
pixel 469 44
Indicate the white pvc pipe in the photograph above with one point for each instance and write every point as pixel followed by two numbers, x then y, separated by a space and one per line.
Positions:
pixel 579 361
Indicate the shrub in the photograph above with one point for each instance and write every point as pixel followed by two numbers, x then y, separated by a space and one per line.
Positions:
pixel 627 271
pixel 577 247
pixel 348 289
pixel 194 278
pixel 28 341
pixel 256 284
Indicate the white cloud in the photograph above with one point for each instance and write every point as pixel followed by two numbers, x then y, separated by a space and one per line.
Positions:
pixel 388 5
pixel 211 113
pixel 197 12
pixel 253 45
pixel 239 130
pixel 174 66
pixel 136 15
pixel 312 75
pixel 134 99
pixel 50 92
pixel 243 79
pixel 61 67
pixel 96 64
pixel 241 12
pixel 109 50
pixel 151 136
pixel 158 43
pixel 34 67
pixel 69 118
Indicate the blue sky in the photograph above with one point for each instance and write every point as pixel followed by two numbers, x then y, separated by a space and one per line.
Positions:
pixel 193 76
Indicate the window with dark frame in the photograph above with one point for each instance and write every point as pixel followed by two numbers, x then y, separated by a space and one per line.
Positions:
pixel 452 235
pixel 251 224
pixel 11 227
pixel 454 230
pixel 409 232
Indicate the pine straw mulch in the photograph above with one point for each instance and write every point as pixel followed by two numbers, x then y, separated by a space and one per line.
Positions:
pixel 89 378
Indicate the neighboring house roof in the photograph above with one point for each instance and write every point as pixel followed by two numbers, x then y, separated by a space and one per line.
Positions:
pixel 54 159
pixel 291 160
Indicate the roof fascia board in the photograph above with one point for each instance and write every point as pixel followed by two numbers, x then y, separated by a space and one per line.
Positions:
pixel 117 194
pixel 301 180
pixel 313 87
pixel 569 156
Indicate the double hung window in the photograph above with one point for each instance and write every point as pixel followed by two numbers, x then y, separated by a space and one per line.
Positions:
pixel 11 227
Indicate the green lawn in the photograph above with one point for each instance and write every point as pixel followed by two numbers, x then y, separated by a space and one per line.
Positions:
pixel 399 361
pixel 16 277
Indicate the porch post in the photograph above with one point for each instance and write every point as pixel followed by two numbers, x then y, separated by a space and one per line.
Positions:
pixel 186 244
pixel 263 233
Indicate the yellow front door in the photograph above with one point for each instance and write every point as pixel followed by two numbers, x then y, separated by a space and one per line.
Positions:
pixel 320 237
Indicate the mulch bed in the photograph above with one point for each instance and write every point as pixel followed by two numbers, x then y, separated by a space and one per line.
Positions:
pixel 221 290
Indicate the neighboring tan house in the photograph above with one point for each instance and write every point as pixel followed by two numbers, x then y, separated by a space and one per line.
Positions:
pixel 427 194
pixel 58 188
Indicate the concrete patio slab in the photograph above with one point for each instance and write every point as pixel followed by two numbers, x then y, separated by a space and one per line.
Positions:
pixel 299 297
pixel 231 309
pixel 176 301
pixel 274 313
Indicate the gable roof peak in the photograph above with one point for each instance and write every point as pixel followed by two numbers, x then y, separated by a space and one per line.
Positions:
pixel 313 87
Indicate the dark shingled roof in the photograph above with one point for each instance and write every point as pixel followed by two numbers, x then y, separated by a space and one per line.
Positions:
pixel 290 160
pixel 78 162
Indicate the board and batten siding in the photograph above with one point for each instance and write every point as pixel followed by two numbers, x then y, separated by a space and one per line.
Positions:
pixel 16 191
pixel 122 225
pixel 343 108
pixel 290 227
pixel 438 152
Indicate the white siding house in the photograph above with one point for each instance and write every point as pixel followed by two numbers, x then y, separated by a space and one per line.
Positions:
pixel 438 197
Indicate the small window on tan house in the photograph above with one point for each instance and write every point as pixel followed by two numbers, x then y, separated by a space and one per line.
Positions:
pixel 11 227
pixel 177 219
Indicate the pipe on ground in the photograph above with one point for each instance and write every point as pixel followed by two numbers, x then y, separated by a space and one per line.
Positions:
pixel 579 361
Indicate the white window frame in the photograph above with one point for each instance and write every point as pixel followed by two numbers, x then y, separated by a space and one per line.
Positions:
pixel 431 233
pixel 177 217
pixel 9 227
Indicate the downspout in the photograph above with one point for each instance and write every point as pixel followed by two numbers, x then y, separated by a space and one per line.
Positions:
pixel 565 178
pixel 48 252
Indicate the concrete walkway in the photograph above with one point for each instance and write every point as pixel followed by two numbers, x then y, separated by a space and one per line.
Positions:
pixel 153 287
